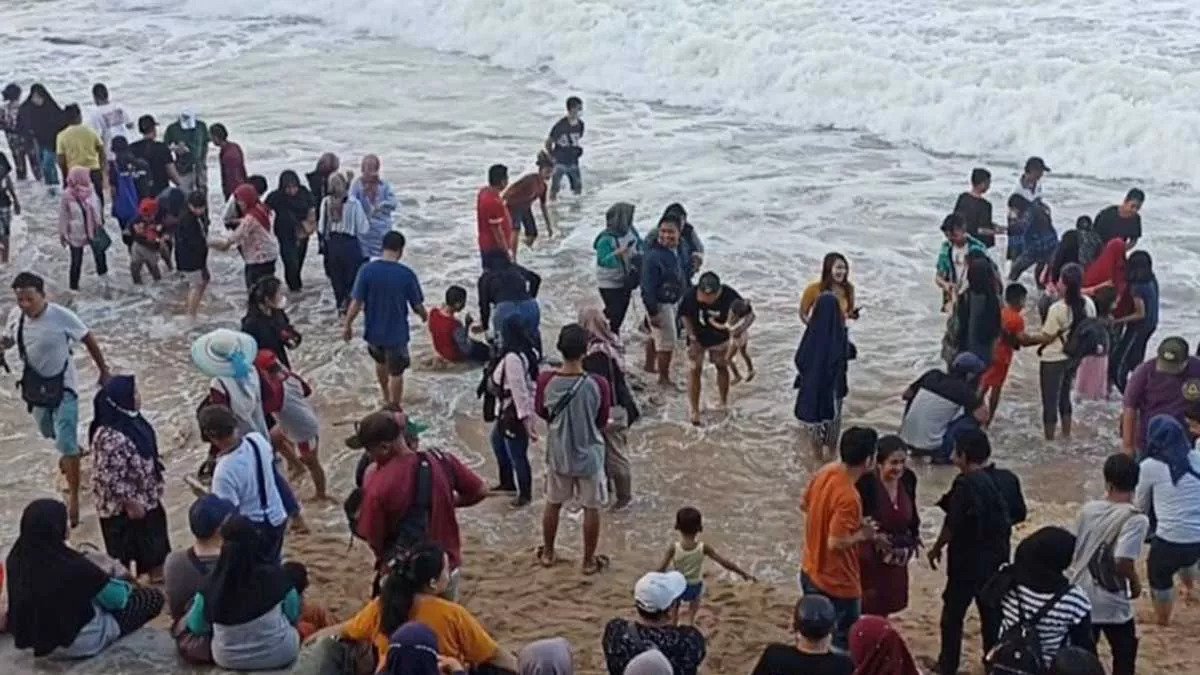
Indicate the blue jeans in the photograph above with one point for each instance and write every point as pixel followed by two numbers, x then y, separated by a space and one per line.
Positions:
pixel 61 424
pixel 847 611
pixel 49 162
pixel 571 171
pixel 512 460
pixel 953 430
pixel 531 319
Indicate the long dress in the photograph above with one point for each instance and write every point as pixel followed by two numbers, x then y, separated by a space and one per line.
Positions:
pixel 885 586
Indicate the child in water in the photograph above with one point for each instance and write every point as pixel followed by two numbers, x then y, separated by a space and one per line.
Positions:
pixel 1012 338
pixel 687 557
pixel 741 315
pixel 145 242
pixel 1091 380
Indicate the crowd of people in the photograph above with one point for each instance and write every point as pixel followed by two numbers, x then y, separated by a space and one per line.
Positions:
pixel 232 599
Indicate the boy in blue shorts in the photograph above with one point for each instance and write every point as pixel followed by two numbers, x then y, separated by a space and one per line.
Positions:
pixel 687 557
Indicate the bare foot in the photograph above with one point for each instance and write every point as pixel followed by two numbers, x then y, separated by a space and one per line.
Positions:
pixel 546 558
pixel 749 375
pixel 735 378
pixel 695 417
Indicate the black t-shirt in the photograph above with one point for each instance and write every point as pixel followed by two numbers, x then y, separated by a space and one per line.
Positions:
pixel 191 245
pixel 271 331
pixel 564 141
pixel 705 316
pixel 290 213
pixel 1110 225
pixel 780 659
pixel 976 212
pixel 157 156
pixel 981 508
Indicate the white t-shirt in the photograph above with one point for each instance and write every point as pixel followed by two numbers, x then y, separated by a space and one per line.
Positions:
pixel 109 121
pixel 1058 320
pixel 958 258
pixel 48 341
pixel 1109 607
pixel 235 478
pixel 1176 505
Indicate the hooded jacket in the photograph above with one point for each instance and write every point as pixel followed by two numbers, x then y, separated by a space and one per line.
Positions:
pixel 663 279
pixel 611 269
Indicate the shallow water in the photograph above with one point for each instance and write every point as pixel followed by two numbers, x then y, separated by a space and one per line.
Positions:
pixel 736 141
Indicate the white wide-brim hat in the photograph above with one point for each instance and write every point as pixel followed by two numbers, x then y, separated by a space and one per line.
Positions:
pixel 217 354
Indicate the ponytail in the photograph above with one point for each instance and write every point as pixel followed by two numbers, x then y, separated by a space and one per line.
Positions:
pixel 412 572
pixel 1072 281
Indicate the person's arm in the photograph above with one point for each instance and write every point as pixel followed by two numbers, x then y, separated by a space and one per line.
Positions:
pixel 650 279
pixel 469 488
pixel 1143 494
pixel 373 524
pixel 64 221
pixel 1018 511
pixel 1081 634
pixel 195 621
pixel 604 411
pixel 1135 393
pixel 292 605
pixel 1127 550
pixel 93 349
pixel 323 219
pixel 539 395
pixel 462 338
pixel 1139 312
pixel 173 174
pixel 726 563
pixel 62 164
pixel 504 660
pixel 546 214
pixel 115 595
pixel 848 529
pixel 12 195
pixel 516 378
pixel 533 281
pixel 607 253
pixel 667 559
pixel 387 201
pixel 981 413
pixel 351 314
pixel 416 299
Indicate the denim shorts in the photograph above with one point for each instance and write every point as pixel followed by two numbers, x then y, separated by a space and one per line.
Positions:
pixel 693 592
pixel 61 424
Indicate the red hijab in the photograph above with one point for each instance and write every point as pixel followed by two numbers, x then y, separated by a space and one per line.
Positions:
pixel 252 205
pixel 1108 267
pixel 877 649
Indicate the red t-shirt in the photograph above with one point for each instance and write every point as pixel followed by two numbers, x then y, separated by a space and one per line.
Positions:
pixel 520 195
pixel 388 492
pixel 233 168
pixel 1012 323
pixel 490 211
pixel 442 327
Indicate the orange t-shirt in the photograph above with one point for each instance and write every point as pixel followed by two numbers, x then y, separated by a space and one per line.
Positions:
pixel 459 634
pixel 844 293
pixel 1012 322
pixel 834 510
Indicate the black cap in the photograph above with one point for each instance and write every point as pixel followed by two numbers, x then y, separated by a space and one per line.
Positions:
pixel 709 282
pixel 1036 164
pixel 815 617
pixel 146 123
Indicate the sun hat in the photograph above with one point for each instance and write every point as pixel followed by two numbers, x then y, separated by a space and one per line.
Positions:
pixel 224 353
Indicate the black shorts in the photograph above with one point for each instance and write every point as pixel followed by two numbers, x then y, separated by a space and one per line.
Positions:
pixel 142 542
pixel 1165 559
pixel 395 358
pixel 523 218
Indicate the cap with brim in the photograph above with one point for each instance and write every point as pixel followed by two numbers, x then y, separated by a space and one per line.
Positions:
pixel 146 123
pixel 412 428
pixel 968 363
pixel 657 591
pixel 207 515
pixel 815 616
pixel 1036 163
pixel 224 352
pixel 187 119
pixel 1172 356
pixel 709 282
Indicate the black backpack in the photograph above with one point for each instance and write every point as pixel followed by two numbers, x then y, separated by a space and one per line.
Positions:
pixel 1088 337
pixel 1019 651
pixel 414 527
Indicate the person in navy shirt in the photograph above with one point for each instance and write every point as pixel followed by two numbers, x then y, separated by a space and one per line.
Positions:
pixel 384 290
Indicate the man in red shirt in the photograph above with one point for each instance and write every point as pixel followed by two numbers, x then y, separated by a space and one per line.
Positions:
pixel 519 198
pixel 390 512
pixel 496 239
pixel 233 163
pixel 451 337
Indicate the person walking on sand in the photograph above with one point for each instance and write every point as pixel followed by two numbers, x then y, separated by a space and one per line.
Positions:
pixel 379 203
pixel 663 285
pixel 44 333
pixel 1056 373
pixel 687 557
pixel 563 145
pixel 619 252
pixel 576 408
pixel 1167 384
pixel 513 381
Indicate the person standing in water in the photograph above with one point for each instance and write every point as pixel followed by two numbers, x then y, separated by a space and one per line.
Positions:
pixel 80 225
pixel 497 240
pixel 519 198
pixel 976 210
pixel 705 311
pixel 618 262
pixel 822 359
pixel 1029 184
pixel 41 118
pixel 188 138
pixel 835 278
pixel 952 262
pixel 231 158
pixel 108 119
pixel 157 155
pixel 20 140
pixel 341 222
pixel 563 146
pixel 191 250
pixel 1124 220
pixel 77 145
pixel 44 332
pixel 295 221
pixel 253 236
pixel 9 206
pixel 378 201
pixel 663 285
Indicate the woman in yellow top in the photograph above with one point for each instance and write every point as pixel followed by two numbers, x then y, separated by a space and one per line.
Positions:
pixel 835 278
pixel 410 593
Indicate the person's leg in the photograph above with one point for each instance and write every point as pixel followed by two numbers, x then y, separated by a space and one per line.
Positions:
pixel 144 604
pixel 1064 398
pixel 518 454
pixel 1164 560
pixel 397 362
pixel 616 463
pixel 956 598
pixel 76 267
pixel 990 620
pixel 591 536
pixel 576 178
pixel 550 516
pixel 620 308
pixel 560 170
pixel 848 612
pixel 100 257
pixel 301 256
pixel 1132 356
pixel 1049 382
pixel 291 265
pixel 695 371
pixel 50 168
pixel 721 361
pixel 97 177
pixel 504 466
pixel 1123 642
pixel 65 422
pixel 531 316
pixel 651 360
pixel 381 376
pixel 312 461
pixel 152 266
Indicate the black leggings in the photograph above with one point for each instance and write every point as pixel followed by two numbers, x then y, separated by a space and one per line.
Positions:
pixel 1123 641
pixel 1128 354
pixel 76 269
pixel 616 306
pixel 1056 379
pixel 144 604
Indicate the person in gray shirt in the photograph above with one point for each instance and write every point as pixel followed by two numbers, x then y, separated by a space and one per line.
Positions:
pixel 185 570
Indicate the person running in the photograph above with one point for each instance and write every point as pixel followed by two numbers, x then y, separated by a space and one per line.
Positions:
pixel 889 498
pixel 451 337
pixel 563 145
pixel 1138 325
pixel 1124 220
pixel 21 142
pixel 384 291
pixel 497 239
pixel 188 139
pixel 1056 373
pixel 619 252
pixel 295 221
pixel 81 225
pixel 266 320
pixel 41 119
pixel 1012 338
pixel 231 158
pixel 706 312
pixel 576 408
pixel 663 285
pixel 44 333
pixel 157 155
pixel 606 358
pixel 191 250
pixel 1110 534
pixel 835 526
pixel 253 236
pixel 813 621
pixel 952 263
pixel 378 202
pixel 1031 236
pixel 822 362
pixel 835 278
pixel 108 119
pixel 519 198
pixel 341 223
pixel 687 557
pixel 513 381
pixel 78 146
pixel 9 206
pixel 976 210
pixel 942 405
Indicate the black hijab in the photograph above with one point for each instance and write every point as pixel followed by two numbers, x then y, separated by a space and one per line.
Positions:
pixel 43 121
pixel 1038 565
pixel 115 407
pixel 240 588
pixel 50 586
pixel 290 210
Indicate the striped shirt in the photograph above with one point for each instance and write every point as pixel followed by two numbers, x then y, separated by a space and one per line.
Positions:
pixel 1071 609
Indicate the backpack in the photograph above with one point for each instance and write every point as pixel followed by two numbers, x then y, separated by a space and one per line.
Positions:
pixel 1088 337
pixel 1019 650
pixel 125 203
pixel 413 528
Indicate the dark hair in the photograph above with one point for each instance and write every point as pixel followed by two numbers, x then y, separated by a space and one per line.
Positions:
pixel 1015 294
pixel 670 219
pixel 216 421
pixel 198 199
pixel 827 269
pixel 544 161
pixel 676 209
pixel 218 130
pixel 572 341
pixel 1121 471
pixel 857 445
pixel 376 428
pixel 980 176
pixel 119 144
pixel 1066 253
pixel 1105 300
pixel 1083 223
pixel 1139 268
pixel 261 291
pixel 1076 661
pixel 73 113
pixel 411 573
pixel 497 175
pixel 456 295
pixel 1071 277
pixel 740 308
pixel 981 278
pixel 100 92
pixel 574 102
pixel 887 446
pixel 689 521
pixel 394 241
pixel 12 91
pixel 298 573
pixel 29 280
pixel 953 222
pixel 1135 195
pixel 260 184
pixel 811 630
pixel 973 445
pixel 288 178
pixel 1018 202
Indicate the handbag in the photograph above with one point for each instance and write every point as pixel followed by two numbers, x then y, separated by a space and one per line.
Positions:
pixel 101 241
pixel 37 390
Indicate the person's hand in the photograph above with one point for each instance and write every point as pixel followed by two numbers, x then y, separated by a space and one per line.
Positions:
pixel 529 239
pixel 935 557
pixel 533 434
pixel 17 209
pixel 869 530
pixel 1135 589
pixel 62 241
pixel 105 376
pixel 854 313
pixel 135 511
pixel 477 329
pixel 656 320
pixel 347 333
pixel 697 262
pixel 450 665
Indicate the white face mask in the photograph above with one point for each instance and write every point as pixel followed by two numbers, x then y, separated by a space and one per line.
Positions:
pixel 282 303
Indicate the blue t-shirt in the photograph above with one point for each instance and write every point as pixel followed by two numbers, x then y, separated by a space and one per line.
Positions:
pixel 387 289
pixel 1148 292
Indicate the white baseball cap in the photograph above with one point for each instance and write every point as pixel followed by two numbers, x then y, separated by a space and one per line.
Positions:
pixel 187 119
pixel 657 591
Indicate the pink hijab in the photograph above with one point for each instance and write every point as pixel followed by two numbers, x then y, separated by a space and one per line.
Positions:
pixel 370 175
pixel 601 336
pixel 79 190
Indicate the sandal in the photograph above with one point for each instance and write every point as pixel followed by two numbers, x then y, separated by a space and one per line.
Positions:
pixel 599 564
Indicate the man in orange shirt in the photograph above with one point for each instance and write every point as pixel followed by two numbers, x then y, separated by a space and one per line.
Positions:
pixel 835 527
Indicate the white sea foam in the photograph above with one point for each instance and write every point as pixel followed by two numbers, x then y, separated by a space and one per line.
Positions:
pixel 1089 86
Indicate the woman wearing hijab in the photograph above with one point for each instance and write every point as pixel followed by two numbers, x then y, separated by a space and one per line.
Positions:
pixel 341 225
pixel 42 118
pixel 295 220
pixel 267 322
pixel 618 262
pixel 606 357
pixel 378 202
pixel 547 657
pixel 1169 486
pixel 80 225
pixel 1036 578
pixel 127 479
pixel 318 178
pixel 1107 270
pixel 59 602
pixel 253 236
pixel 249 608
pixel 977 312
pixel 414 651
pixel 513 380
pixel 821 364
pixel 878 649
pixel 650 662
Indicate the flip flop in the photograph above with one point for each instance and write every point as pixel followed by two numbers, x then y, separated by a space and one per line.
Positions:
pixel 599 564
pixel 542 560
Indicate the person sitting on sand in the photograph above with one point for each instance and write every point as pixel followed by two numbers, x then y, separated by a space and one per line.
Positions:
pixel 414 651
pixel 185 569
pixel 941 405
pixel 413 591
pixel 813 620
pixel 835 278
pixel 878 649
pixel 657 597
pixel 313 617
pixel 687 557
pixel 822 359
pixel 451 338
pixel 606 358
pixel 552 656
pixel 706 312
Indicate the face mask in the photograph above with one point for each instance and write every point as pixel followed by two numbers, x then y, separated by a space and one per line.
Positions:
pixel 281 303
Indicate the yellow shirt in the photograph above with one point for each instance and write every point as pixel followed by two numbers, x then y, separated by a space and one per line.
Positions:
pixel 81 146
pixel 844 293
pixel 459 634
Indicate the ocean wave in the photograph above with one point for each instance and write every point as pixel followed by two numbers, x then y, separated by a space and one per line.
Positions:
pixel 1083 85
